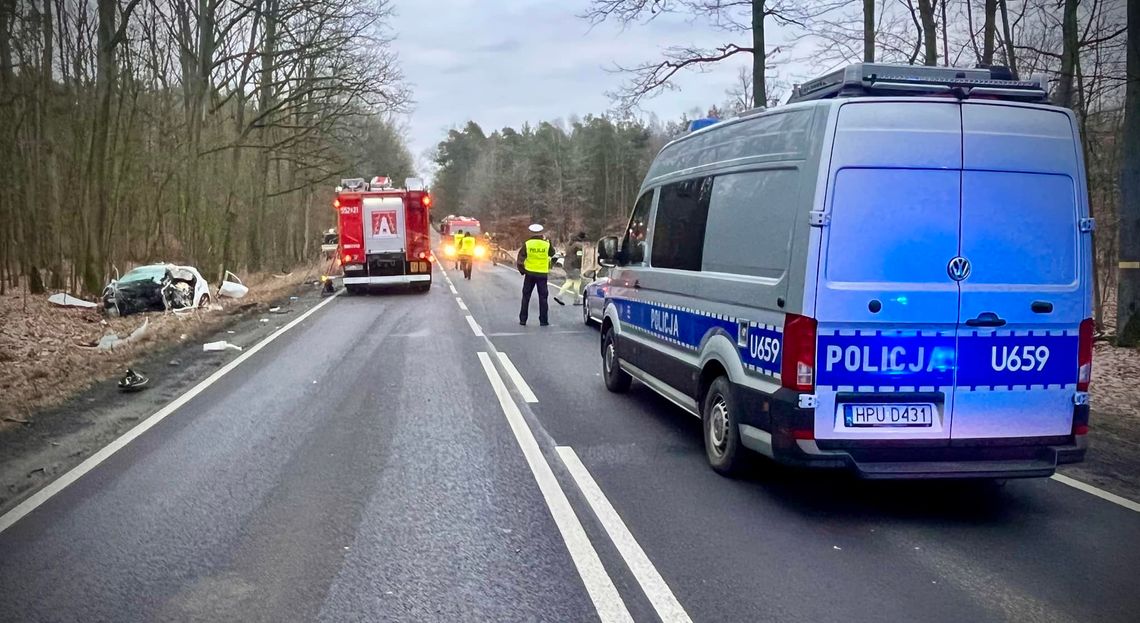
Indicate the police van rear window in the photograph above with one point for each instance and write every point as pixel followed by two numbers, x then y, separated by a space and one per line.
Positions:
pixel 775 137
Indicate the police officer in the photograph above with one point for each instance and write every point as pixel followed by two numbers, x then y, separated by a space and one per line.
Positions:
pixel 533 263
pixel 466 254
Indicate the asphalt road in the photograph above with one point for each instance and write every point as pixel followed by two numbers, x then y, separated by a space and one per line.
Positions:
pixel 367 466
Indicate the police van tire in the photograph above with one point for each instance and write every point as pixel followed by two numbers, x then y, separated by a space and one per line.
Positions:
pixel 586 313
pixel 353 289
pixel 726 455
pixel 617 380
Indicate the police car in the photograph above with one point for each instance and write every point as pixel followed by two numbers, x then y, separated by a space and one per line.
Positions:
pixel 889 274
pixel 594 294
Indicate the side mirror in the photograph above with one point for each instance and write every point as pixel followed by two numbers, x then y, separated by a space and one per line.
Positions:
pixel 608 251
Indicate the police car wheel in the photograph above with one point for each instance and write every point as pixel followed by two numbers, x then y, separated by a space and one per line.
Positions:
pixel 722 434
pixel 617 380
pixel 586 313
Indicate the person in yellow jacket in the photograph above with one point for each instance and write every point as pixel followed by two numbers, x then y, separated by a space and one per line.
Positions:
pixel 466 253
pixel 533 263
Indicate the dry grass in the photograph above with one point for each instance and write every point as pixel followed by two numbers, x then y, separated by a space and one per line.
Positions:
pixel 48 354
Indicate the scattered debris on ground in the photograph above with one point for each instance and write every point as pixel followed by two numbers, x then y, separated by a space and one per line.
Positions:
pixel 220 345
pixel 132 381
pixel 66 300
pixel 49 352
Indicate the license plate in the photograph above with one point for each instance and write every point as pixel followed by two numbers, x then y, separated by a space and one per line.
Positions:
pixel 894 414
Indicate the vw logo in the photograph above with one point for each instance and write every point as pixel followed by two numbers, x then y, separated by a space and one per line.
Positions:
pixel 958 268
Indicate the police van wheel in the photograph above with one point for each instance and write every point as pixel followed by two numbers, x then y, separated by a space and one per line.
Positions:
pixel 586 313
pixel 723 449
pixel 617 380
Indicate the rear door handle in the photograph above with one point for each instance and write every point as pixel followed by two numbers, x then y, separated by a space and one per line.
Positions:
pixel 1041 307
pixel 986 319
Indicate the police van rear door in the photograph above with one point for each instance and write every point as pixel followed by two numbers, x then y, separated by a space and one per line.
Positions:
pixel 1025 293
pixel 886 309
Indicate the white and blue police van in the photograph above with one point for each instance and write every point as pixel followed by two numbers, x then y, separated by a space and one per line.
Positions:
pixel 890 274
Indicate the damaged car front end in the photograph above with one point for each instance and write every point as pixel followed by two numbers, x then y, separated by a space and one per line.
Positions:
pixel 156 287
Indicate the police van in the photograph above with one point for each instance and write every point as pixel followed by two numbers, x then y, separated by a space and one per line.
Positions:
pixel 889 274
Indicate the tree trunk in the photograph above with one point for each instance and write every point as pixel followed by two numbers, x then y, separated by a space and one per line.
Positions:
pixel 1010 52
pixel 95 255
pixel 759 56
pixel 929 31
pixel 259 224
pixel 868 31
pixel 1066 95
pixel 1128 283
pixel 989 30
pixel 945 35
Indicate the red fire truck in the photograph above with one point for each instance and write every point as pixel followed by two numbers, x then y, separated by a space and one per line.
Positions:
pixel 385 236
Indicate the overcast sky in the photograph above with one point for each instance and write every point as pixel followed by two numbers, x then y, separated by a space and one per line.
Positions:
pixel 506 62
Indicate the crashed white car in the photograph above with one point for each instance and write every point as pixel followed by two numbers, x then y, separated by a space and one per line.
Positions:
pixel 156 287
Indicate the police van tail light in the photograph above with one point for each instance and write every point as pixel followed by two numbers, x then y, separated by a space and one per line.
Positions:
pixel 797 371
pixel 1084 355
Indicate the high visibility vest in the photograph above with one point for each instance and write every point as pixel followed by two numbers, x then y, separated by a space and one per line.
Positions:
pixel 467 245
pixel 537 256
pixel 456 238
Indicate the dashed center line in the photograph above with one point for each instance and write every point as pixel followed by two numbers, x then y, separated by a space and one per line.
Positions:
pixel 517 378
pixel 598 583
pixel 654 586
pixel 462 305
pixel 475 328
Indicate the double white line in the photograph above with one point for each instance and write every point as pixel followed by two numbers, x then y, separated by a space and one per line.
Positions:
pixel 598 583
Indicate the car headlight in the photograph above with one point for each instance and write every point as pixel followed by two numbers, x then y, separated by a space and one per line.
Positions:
pixel 480 251
pixel 449 250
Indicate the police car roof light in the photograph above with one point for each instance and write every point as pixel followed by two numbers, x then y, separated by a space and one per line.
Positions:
pixel 871 79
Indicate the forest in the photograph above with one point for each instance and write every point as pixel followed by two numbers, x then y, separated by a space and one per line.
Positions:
pixel 206 131
pixel 583 175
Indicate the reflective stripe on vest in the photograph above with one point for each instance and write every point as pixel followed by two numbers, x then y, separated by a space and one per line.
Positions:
pixel 467 245
pixel 537 256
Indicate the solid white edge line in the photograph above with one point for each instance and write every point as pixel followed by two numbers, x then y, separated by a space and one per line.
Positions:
pixel 1100 493
pixel 462 305
pixel 77 472
pixel 474 326
pixel 598 583
pixel 517 378
pixel 654 586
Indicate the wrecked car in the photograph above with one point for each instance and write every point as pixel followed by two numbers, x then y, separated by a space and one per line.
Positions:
pixel 156 287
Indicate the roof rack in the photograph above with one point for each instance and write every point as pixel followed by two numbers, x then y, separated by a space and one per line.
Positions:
pixel 862 79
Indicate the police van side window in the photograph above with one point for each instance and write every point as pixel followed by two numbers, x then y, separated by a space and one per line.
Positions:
pixel 679 227
pixel 633 245
pixel 750 222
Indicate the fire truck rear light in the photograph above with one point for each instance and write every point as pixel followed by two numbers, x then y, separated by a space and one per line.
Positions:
pixel 427 201
pixel 336 203
pixel 1085 355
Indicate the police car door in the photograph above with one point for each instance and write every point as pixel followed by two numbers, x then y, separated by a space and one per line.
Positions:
pixel 625 282
pixel 1026 272
pixel 887 311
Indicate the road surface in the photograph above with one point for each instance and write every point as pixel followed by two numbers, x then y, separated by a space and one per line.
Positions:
pixel 404 457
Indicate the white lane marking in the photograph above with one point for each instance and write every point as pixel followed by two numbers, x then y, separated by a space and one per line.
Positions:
pixel 658 592
pixel 517 378
pixel 1100 493
pixel 600 587
pixel 59 484
pixel 474 326
pixel 462 305
pixel 450 285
